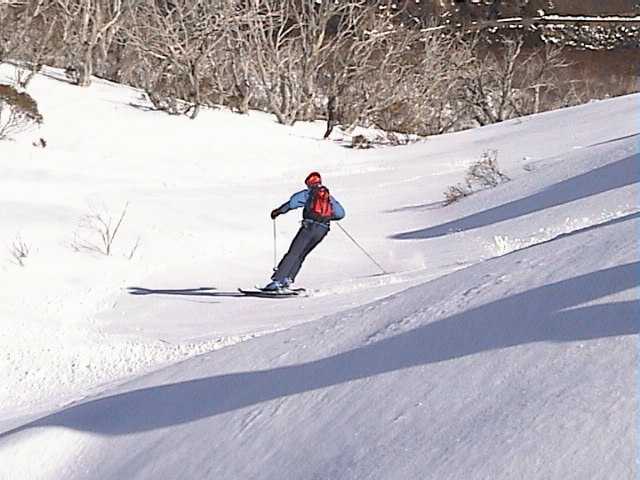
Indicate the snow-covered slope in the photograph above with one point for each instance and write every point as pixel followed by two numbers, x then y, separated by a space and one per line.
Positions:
pixel 502 345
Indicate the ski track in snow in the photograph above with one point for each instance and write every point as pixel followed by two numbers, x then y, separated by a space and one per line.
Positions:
pixel 89 364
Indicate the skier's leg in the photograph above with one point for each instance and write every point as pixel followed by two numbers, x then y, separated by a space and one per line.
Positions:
pixel 293 255
pixel 318 232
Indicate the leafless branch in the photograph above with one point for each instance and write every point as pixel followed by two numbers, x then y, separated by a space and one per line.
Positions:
pixel 98 231
pixel 19 251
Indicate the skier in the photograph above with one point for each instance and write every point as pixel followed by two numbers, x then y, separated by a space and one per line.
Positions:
pixel 319 208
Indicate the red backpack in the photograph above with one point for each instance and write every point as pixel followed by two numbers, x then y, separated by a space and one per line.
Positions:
pixel 318 207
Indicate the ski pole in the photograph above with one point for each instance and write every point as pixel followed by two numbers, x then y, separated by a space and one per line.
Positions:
pixel 361 248
pixel 275 249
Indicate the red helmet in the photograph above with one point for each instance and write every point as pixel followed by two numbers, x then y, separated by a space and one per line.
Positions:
pixel 313 179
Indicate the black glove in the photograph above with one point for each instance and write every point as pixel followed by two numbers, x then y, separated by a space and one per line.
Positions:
pixel 274 214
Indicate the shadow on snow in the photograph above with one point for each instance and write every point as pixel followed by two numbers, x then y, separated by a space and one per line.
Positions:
pixel 550 313
pixel 609 177
pixel 190 292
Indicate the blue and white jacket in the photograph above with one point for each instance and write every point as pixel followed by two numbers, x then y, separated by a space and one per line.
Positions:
pixel 299 200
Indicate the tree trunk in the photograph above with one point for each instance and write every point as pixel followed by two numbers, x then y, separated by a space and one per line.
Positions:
pixel 195 111
pixel 244 105
pixel 331 116
pixel 85 69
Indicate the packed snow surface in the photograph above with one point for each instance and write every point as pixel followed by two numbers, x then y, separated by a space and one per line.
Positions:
pixel 500 344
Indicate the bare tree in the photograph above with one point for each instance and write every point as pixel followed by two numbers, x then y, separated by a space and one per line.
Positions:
pixel 354 61
pixel 539 78
pixel 277 67
pixel 292 42
pixel 488 85
pixel 177 39
pixel 14 16
pixel 27 31
pixel 397 77
pixel 426 94
pixel 231 64
pixel 497 87
pixel 88 27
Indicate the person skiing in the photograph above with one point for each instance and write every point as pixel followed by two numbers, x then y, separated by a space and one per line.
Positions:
pixel 319 208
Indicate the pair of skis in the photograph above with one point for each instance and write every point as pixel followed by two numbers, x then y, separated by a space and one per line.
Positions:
pixel 262 293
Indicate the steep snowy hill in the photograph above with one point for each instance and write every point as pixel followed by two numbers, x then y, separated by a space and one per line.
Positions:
pixel 520 367
pixel 502 345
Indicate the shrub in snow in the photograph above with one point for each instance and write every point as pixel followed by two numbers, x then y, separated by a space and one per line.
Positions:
pixel 167 103
pixel 19 251
pixel 40 143
pixel 481 175
pixel 18 112
pixel 455 193
pixel 502 245
pixel 485 172
pixel 395 139
pixel 360 141
pixel 99 231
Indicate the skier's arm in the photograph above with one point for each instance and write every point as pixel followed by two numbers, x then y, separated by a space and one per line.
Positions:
pixel 297 200
pixel 338 210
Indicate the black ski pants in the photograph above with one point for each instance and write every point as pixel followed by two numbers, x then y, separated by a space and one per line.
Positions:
pixel 308 237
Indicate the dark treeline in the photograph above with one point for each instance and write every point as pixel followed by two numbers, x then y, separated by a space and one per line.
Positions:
pixel 353 62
